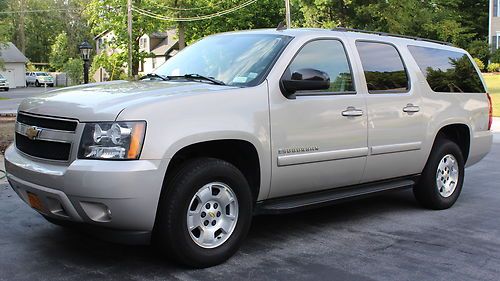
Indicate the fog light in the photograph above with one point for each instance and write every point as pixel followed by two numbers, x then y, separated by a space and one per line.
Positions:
pixel 97 212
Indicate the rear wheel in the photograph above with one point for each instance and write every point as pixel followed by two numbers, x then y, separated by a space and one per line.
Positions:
pixel 205 213
pixel 442 179
pixel 37 84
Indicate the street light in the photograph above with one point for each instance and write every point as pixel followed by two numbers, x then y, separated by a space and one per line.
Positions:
pixel 85 50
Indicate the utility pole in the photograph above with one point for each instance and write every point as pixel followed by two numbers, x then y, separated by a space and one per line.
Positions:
pixel 21 28
pixel 129 27
pixel 288 17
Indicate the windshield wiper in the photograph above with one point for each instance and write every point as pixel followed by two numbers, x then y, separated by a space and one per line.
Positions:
pixel 195 76
pixel 154 75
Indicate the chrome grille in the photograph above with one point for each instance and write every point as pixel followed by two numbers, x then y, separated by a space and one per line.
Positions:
pixel 45 137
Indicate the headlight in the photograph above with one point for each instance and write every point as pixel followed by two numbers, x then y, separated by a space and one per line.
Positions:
pixel 113 140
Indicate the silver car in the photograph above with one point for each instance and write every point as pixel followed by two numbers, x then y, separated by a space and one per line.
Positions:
pixel 245 123
pixel 4 84
pixel 37 78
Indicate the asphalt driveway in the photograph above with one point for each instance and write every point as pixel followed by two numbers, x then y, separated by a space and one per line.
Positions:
pixel 15 96
pixel 382 238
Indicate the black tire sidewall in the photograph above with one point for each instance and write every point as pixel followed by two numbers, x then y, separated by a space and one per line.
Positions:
pixel 173 226
pixel 426 191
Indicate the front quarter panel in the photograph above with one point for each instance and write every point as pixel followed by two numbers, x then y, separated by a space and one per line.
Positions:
pixel 176 122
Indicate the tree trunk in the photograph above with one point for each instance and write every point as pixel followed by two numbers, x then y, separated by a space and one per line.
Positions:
pixel 182 35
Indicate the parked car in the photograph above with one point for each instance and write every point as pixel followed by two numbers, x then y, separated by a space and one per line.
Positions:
pixel 255 122
pixel 4 84
pixel 39 79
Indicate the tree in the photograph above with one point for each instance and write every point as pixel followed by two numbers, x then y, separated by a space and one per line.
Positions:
pixel 59 53
pixel 74 70
pixel 480 49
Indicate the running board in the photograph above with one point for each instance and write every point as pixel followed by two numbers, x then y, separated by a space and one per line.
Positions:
pixel 324 198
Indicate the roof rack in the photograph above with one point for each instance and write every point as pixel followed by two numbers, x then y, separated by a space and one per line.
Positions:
pixel 344 29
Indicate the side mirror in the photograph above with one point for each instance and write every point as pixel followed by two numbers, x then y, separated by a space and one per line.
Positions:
pixel 306 79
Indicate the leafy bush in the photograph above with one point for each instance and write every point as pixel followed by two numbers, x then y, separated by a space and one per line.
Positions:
pixel 479 63
pixel 113 64
pixel 493 67
pixel 479 49
pixel 74 70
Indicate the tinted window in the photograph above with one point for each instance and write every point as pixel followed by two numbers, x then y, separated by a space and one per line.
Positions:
pixel 328 56
pixel 447 71
pixel 383 67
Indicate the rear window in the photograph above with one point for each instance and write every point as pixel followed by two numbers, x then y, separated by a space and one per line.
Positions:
pixel 447 71
pixel 384 70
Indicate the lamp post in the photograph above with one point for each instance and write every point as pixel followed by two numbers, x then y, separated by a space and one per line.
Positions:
pixel 85 50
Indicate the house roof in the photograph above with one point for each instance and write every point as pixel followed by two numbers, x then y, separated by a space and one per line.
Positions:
pixel 165 47
pixel 10 53
pixel 101 34
pixel 159 35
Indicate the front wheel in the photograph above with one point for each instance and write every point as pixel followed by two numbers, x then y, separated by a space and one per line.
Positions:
pixel 37 84
pixel 205 213
pixel 442 179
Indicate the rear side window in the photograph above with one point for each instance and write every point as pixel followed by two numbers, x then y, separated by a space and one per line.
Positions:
pixel 384 70
pixel 327 55
pixel 447 71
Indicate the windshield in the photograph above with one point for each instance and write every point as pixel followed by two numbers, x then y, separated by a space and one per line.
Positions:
pixel 1 77
pixel 42 74
pixel 235 59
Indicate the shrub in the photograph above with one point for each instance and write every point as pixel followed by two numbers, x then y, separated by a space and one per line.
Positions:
pixel 479 49
pixel 113 64
pixel 493 67
pixel 479 63
pixel 74 70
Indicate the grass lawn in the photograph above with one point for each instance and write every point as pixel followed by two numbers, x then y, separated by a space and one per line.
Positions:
pixel 493 83
pixel 3 98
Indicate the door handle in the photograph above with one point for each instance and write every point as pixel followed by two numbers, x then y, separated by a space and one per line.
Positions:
pixel 410 108
pixel 351 111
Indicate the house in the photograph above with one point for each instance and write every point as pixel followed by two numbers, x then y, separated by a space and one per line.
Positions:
pixel 494 25
pixel 159 45
pixel 14 65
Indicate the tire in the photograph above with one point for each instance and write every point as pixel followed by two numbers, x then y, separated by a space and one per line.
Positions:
pixel 6 89
pixel 431 191
pixel 37 84
pixel 171 229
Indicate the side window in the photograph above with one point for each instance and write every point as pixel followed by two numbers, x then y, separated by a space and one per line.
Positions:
pixel 328 56
pixel 447 71
pixel 384 70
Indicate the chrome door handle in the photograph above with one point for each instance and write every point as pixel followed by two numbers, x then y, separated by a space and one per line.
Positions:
pixel 410 108
pixel 352 112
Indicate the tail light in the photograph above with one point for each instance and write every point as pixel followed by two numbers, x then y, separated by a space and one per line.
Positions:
pixel 490 120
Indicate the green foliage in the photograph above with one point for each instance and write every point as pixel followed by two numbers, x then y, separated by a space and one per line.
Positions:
pixel 479 49
pixel 113 64
pixel 74 70
pixel 480 64
pixel 495 56
pixel 59 54
pixel 493 67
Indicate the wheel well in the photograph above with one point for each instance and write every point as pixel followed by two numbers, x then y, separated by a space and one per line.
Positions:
pixel 241 154
pixel 459 134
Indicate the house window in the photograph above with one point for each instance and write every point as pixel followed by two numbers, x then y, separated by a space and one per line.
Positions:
pixel 153 62
pixel 142 43
pixel 495 8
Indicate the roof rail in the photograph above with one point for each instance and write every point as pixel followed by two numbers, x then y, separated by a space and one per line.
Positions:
pixel 344 29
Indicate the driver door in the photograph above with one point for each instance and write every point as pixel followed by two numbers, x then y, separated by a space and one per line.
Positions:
pixel 319 137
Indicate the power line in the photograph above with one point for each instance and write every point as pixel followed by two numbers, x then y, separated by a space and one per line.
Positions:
pixel 196 18
pixel 40 11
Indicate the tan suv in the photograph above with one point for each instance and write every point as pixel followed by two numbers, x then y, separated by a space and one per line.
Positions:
pixel 244 123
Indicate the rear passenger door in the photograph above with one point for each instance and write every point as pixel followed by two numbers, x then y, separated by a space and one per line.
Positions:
pixel 395 121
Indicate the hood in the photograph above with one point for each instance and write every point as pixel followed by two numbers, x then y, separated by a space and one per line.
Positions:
pixel 104 101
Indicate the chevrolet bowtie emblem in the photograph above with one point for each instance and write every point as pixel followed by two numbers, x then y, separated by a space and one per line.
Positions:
pixel 211 214
pixel 32 132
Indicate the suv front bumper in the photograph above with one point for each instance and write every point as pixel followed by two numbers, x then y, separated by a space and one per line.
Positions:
pixel 120 196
